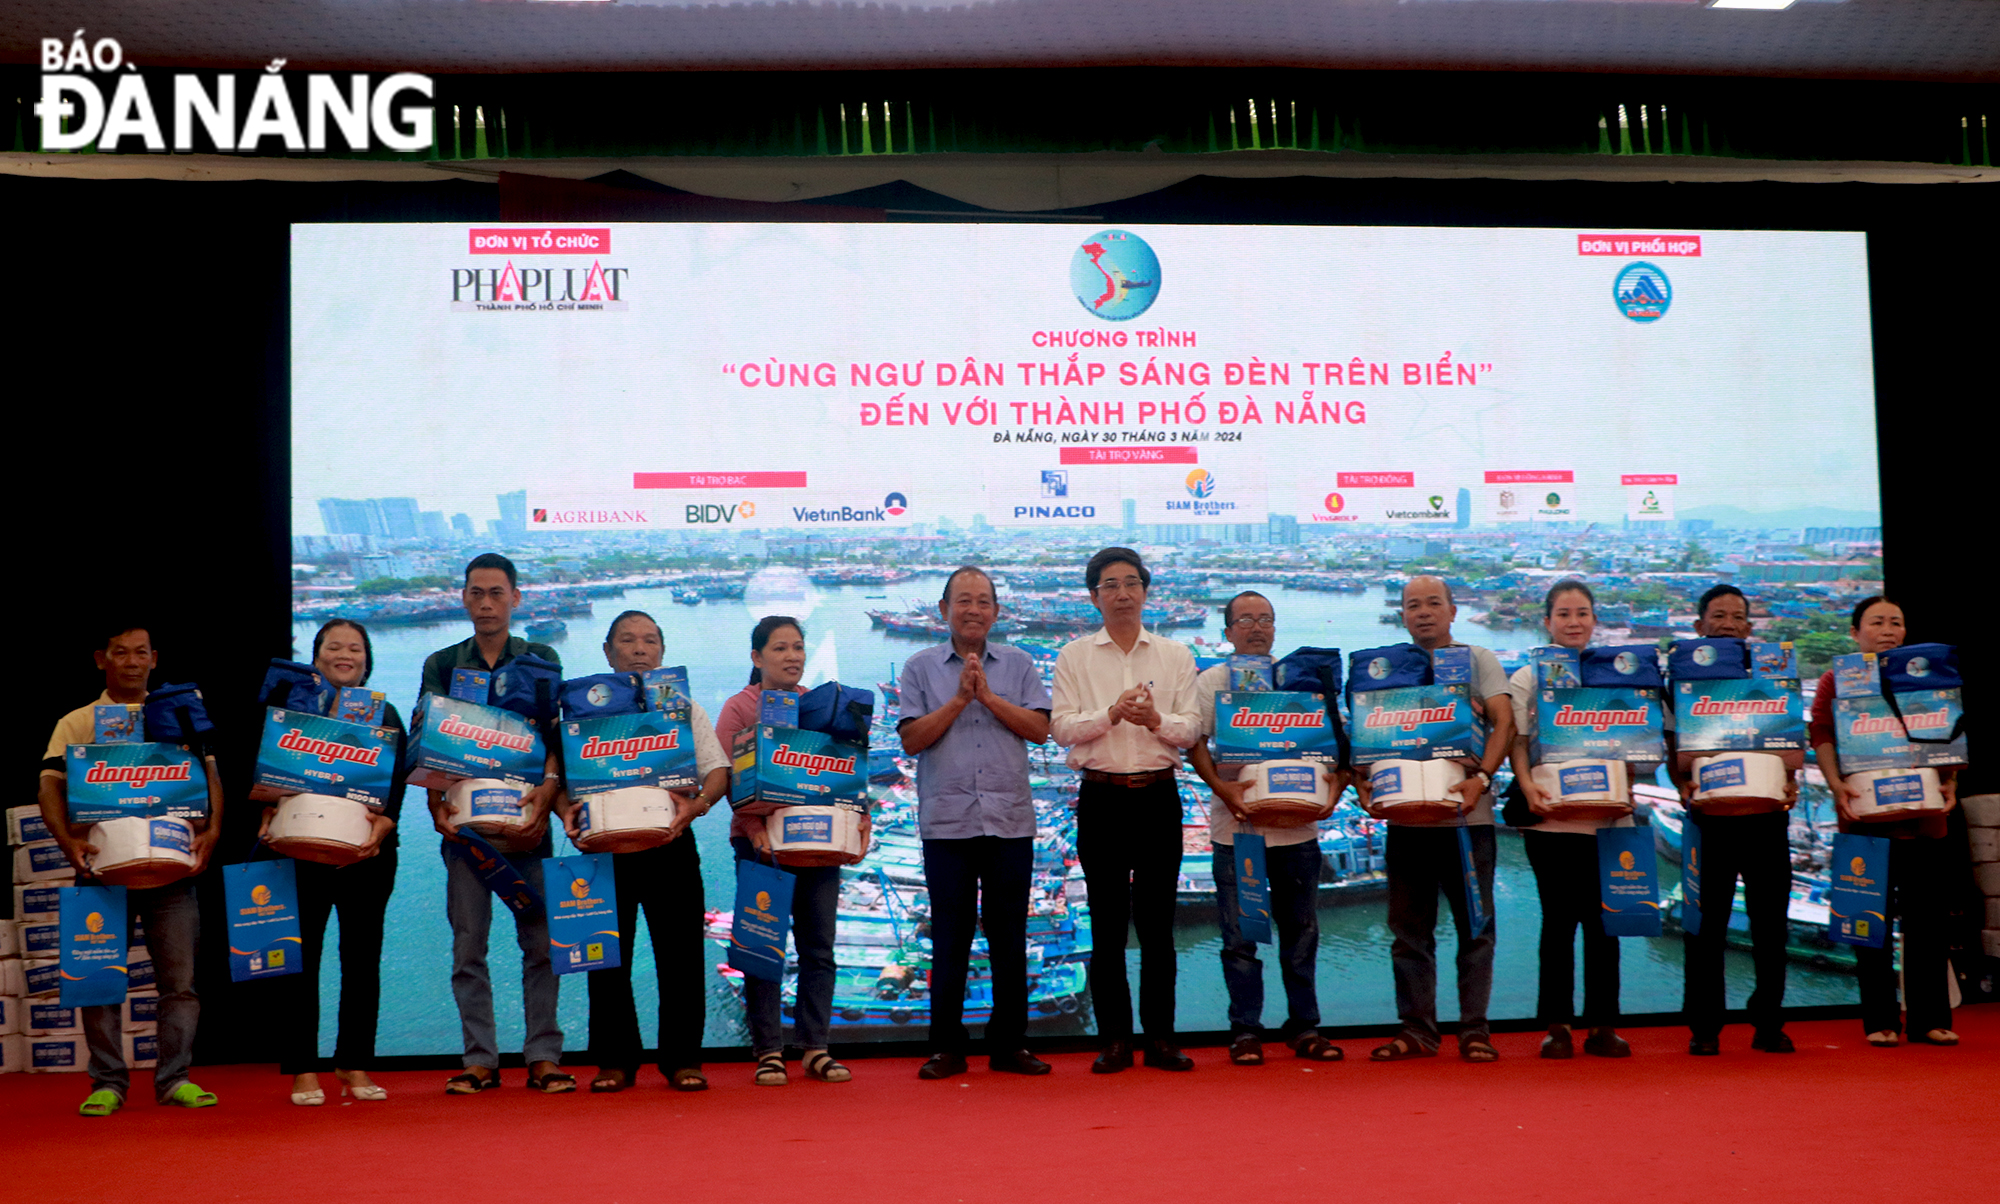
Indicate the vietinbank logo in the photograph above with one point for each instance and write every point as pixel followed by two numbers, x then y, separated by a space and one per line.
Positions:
pixel 76 114
pixel 893 506
pixel 1115 275
pixel 509 289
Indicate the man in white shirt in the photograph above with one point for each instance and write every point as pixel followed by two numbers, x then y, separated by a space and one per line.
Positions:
pixel 1423 859
pixel 1125 706
pixel 1291 864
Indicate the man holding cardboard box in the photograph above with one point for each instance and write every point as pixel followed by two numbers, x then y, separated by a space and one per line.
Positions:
pixel 171 915
pixel 491 593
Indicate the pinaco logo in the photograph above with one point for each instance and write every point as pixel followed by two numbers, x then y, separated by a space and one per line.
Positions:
pixel 1411 718
pixel 328 751
pixel 627 748
pixel 260 894
pixel 1276 721
pixel 136 776
pixel 1601 720
pixel 484 737
pixel 94 921
pixel 813 763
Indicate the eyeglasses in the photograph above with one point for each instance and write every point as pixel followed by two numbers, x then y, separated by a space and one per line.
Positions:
pixel 1121 585
pixel 1263 622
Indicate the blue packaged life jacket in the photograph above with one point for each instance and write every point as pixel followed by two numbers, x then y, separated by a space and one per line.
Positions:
pixel 293 686
pixel 177 715
pixel 1388 668
pixel 1315 671
pixel 603 694
pixel 1920 667
pixel 843 712
pixel 1709 660
pixel 527 686
pixel 1636 665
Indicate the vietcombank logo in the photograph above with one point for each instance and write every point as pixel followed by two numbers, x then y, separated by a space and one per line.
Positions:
pixel 92 95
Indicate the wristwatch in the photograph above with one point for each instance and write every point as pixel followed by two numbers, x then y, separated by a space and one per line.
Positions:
pixel 1482 773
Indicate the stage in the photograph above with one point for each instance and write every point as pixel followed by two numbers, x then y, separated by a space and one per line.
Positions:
pixel 1838 1119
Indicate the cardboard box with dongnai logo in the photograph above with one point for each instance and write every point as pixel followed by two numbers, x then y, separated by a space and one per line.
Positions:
pixel 304 753
pixel 646 748
pixel 1273 725
pixel 451 739
pixel 773 767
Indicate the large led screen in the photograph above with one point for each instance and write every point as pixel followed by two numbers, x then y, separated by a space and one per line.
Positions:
pixel 713 423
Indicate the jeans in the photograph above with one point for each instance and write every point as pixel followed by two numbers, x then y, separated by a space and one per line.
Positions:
pixel 979 882
pixel 172 917
pixel 1293 871
pixel 1421 863
pixel 1129 843
pixel 361 892
pixel 469 906
pixel 1565 865
pixel 815 907
pixel 1918 873
pixel 667 880
pixel 1757 848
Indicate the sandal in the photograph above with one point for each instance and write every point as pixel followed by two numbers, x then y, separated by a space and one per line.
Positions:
pixel 687 1078
pixel 187 1095
pixel 820 1065
pixel 1888 1038
pixel 101 1102
pixel 1936 1036
pixel 467 1083
pixel 1477 1047
pixel 1404 1047
pixel 610 1082
pixel 771 1070
pixel 1246 1050
pixel 555 1082
pixel 1315 1048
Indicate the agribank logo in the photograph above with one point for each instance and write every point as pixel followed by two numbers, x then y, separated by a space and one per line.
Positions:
pixel 75 114
pixel 1115 275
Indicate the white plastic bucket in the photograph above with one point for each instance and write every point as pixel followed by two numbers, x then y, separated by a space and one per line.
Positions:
pixel 320 827
pixel 1740 783
pixel 491 808
pixel 1416 791
pixel 1587 789
pixel 625 820
pixel 137 852
pixel 1287 794
pixel 815 835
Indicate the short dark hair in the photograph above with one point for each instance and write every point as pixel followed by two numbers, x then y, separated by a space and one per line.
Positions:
pixel 611 632
pixel 1110 556
pixel 114 628
pixel 761 634
pixel 1568 585
pixel 367 645
pixel 1722 590
pixel 1861 608
pixel 1448 599
pixel 1229 607
pixel 494 560
pixel 944 596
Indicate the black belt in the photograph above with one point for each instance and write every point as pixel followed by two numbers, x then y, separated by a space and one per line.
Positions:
pixel 1130 780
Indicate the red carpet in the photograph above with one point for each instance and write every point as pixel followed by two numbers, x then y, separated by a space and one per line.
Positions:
pixel 1837 1120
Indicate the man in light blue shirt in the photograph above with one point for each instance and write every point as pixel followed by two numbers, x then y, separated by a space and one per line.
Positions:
pixel 968 712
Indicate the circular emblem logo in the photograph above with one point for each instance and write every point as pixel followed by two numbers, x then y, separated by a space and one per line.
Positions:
pixel 1378 668
pixel 1859 866
pixel 1918 666
pixel 747 509
pixel 1625 859
pixel 1642 292
pixel 598 695
pixel 94 921
pixel 763 900
pixel 895 503
pixel 1554 499
pixel 1200 482
pixel 1115 275
pixel 579 888
pixel 1626 663
pixel 1705 655
pixel 260 894
pixel 1246 867
pixel 1335 503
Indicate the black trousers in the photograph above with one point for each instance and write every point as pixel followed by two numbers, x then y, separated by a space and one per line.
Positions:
pixel 1756 849
pixel 1918 872
pixel 1565 865
pixel 667 881
pixel 981 882
pixel 361 892
pixel 1129 842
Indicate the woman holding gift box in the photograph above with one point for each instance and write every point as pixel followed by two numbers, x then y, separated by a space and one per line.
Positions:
pixel 778 660
pixel 1563 854
pixel 1918 869
pixel 343 654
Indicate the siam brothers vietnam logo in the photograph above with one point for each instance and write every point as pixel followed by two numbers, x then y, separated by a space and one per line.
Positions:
pixel 1200 483
pixel 1115 275
pixel 1642 292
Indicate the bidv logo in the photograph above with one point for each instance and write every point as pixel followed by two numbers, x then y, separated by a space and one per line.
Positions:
pixel 75 114
pixel 895 504
pixel 1642 292
pixel 710 512
pixel 1115 275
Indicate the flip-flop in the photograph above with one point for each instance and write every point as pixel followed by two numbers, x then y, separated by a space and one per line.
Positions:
pixel 1315 1048
pixel 102 1102
pixel 187 1095
pixel 555 1082
pixel 1402 1048
pixel 468 1083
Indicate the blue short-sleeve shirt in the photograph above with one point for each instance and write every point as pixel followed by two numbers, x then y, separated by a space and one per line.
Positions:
pixel 974 780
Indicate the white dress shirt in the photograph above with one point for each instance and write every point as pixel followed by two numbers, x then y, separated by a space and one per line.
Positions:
pixel 1092 671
